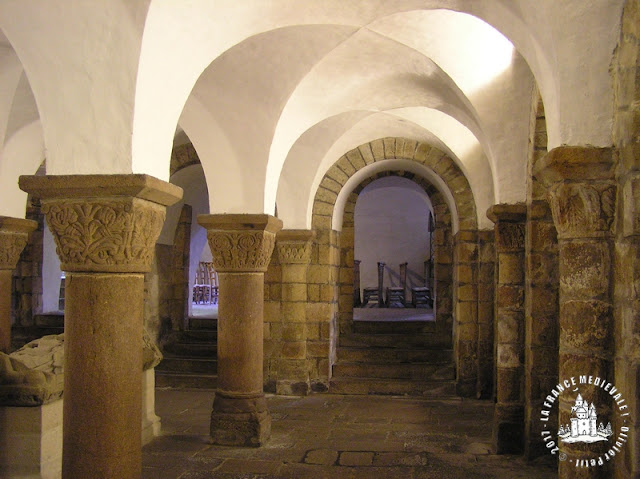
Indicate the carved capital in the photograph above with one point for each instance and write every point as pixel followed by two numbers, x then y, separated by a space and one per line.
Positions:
pixel 294 246
pixel 14 233
pixel 509 222
pixel 103 223
pixel 583 209
pixel 116 235
pixel 581 189
pixel 509 236
pixel 241 243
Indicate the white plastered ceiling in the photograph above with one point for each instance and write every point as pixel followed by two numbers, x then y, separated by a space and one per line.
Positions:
pixel 272 93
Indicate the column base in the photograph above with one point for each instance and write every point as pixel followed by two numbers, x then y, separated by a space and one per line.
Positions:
pixel 240 420
pixel 508 429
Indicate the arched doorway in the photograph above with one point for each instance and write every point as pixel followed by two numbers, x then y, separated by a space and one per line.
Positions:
pixel 392 231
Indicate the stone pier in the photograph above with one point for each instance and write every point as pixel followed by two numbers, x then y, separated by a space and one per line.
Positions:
pixel 294 253
pixel 466 311
pixel 14 233
pixel 508 421
pixel 105 228
pixel 241 245
pixel 582 196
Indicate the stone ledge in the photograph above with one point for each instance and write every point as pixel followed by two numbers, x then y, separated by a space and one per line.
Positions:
pixel 101 186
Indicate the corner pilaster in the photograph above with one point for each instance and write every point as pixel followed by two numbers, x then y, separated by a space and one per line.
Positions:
pixel 14 233
pixel 508 421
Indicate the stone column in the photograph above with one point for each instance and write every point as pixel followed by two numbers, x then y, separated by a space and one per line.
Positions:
pixel 508 420
pixel 582 195
pixel 241 246
pixel 105 228
pixel 294 254
pixel 14 233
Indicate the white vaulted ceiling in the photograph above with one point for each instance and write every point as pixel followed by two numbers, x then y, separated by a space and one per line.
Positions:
pixel 272 93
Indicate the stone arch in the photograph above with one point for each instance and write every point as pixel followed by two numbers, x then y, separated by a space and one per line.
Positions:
pixel 443 251
pixel 334 303
pixel 183 156
pixel 385 149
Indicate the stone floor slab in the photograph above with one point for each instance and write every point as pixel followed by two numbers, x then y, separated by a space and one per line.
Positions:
pixel 337 437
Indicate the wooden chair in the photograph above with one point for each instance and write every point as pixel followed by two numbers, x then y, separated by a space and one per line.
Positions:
pixel 396 294
pixel 372 293
pixel 213 283
pixel 356 283
pixel 61 292
pixel 421 295
pixel 201 285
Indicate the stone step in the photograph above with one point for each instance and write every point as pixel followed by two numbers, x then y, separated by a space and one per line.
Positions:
pixel 396 387
pixel 394 327
pixel 188 365
pixel 166 379
pixel 203 324
pixel 199 349
pixel 398 341
pixel 395 355
pixel 49 320
pixel 415 371
pixel 195 335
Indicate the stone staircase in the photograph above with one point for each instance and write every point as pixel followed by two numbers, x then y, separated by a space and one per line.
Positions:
pixel 190 357
pixel 413 358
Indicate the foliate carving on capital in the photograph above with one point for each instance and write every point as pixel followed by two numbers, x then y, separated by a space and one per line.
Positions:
pixel 583 209
pixel 111 235
pixel 294 252
pixel 510 235
pixel 241 251
pixel 11 245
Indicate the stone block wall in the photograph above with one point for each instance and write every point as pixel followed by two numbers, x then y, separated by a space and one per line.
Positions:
pixel 443 262
pixel 486 289
pixel 347 255
pixel 541 293
pixel 27 277
pixel 272 322
pixel 166 286
pixel 626 79
pixel 329 294
pixel 509 326
pixel 465 300
pixel 179 295
pixel 300 318
pixel 322 313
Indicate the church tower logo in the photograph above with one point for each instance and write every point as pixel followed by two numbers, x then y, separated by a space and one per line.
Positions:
pixel 583 426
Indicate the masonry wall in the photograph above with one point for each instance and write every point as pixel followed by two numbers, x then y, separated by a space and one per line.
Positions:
pixel 486 291
pixel 465 311
pixel 626 77
pixel 541 292
pixel 27 277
